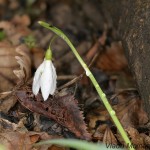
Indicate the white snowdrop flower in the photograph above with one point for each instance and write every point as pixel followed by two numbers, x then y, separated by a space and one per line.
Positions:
pixel 45 77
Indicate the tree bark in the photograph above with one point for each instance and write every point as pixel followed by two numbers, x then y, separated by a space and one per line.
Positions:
pixel 135 31
pixel 132 19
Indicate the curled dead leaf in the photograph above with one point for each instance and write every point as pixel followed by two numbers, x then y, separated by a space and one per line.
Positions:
pixel 64 110
pixel 9 65
pixel 24 60
pixel 9 48
pixel 10 69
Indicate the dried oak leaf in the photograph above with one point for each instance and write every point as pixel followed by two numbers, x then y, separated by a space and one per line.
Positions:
pixel 24 140
pixel 130 109
pixel 22 20
pixel 64 110
pixel 14 33
pixel 99 132
pixel 37 56
pixel 15 62
pixel 24 60
pixel 14 135
pixel 99 114
pixel 109 137
pixel 7 101
pixel 136 139
pixel 146 139
pixel 113 59
pixel 6 125
pixel 8 63
pixel 16 30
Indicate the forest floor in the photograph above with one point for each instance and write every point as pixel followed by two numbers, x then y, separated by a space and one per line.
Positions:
pixel 75 111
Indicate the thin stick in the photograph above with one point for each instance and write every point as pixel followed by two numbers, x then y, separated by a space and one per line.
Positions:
pixel 96 85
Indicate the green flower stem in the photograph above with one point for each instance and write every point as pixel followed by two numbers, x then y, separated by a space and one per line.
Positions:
pixel 96 85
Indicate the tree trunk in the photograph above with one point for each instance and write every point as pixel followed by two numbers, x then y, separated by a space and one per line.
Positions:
pixel 132 18
pixel 135 29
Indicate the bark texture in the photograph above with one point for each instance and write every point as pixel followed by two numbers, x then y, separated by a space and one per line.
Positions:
pixel 132 18
pixel 135 31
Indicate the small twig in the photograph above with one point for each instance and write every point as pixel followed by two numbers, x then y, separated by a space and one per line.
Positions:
pixel 71 82
pixel 66 77
pixel 7 92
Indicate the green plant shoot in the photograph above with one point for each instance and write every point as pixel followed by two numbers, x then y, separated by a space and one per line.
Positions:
pixel 92 78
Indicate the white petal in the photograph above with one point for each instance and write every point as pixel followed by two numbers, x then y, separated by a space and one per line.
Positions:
pixel 36 79
pixel 46 79
pixel 54 77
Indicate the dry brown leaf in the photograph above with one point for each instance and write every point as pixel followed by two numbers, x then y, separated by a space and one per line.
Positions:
pixel 34 138
pixel 15 140
pixel 136 138
pixel 130 109
pixel 37 56
pixel 7 101
pixel 99 133
pixel 16 135
pixel 98 114
pixel 113 59
pixel 63 109
pixel 123 80
pixel 96 47
pixel 6 126
pixel 23 20
pixel 23 140
pixel 146 139
pixel 9 65
pixel 10 69
pixel 109 137
pixel 3 2
pixel 14 33
pixel 24 60
pixel 9 48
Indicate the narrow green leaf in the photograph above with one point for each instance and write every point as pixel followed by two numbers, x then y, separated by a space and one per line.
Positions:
pixel 78 144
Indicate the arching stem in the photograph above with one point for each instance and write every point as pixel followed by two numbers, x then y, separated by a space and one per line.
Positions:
pixel 95 83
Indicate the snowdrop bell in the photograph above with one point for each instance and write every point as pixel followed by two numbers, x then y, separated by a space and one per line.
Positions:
pixel 45 77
